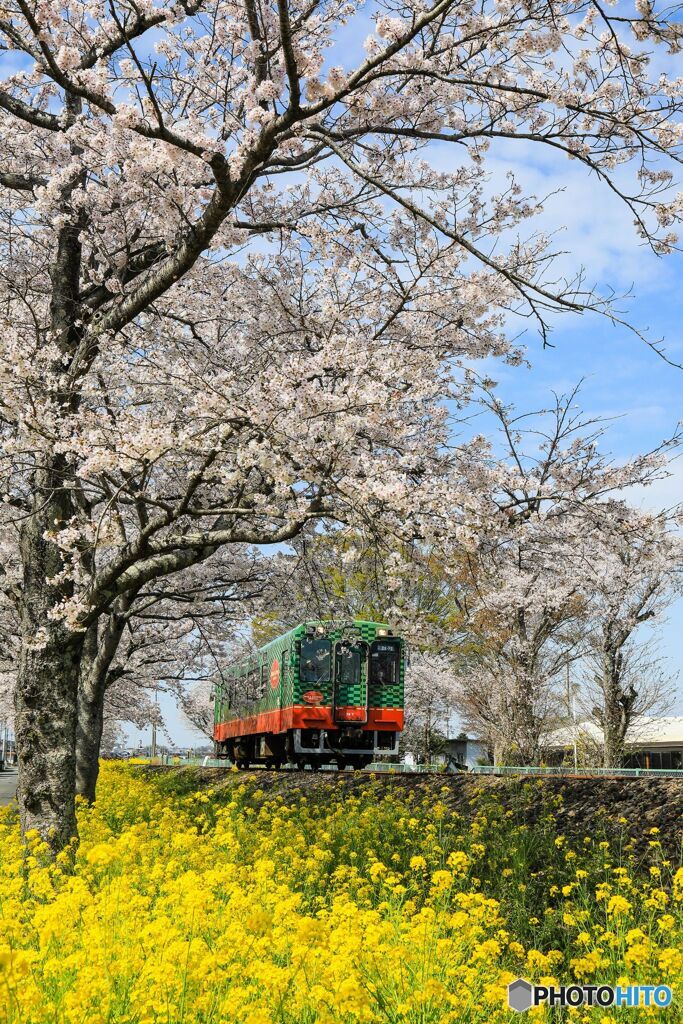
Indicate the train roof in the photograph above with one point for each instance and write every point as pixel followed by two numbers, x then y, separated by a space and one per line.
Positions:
pixel 303 627
pixel 280 643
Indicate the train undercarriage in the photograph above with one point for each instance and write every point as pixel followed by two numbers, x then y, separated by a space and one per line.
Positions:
pixel 346 748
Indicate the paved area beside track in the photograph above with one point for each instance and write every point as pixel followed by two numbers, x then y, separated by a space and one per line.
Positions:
pixel 8 785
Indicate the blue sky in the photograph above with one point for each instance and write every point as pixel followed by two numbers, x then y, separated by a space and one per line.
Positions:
pixel 623 377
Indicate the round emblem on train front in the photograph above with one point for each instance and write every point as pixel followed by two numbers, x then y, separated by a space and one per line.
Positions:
pixel 313 697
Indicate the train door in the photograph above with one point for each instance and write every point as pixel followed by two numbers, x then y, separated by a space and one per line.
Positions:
pixel 351 682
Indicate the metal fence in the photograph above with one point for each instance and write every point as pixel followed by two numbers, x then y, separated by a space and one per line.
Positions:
pixel 484 769
pixel 212 762
pixel 625 773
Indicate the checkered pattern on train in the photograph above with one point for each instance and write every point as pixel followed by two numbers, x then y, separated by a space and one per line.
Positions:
pixel 389 695
pixel 381 695
pixel 386 695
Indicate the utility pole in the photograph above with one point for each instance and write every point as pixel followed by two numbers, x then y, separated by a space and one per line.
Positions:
pixel 154 724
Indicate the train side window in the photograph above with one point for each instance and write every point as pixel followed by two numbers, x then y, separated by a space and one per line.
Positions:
pixel 315 660
pixel 250 683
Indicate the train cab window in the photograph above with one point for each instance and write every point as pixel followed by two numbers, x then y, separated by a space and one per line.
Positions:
pixel 315 660
pixel 385 661
pixel 348 659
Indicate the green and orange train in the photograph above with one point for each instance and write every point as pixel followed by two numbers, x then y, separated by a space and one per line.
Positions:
pixel 327 692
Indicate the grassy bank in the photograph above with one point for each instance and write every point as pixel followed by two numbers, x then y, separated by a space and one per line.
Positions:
pixel 184 904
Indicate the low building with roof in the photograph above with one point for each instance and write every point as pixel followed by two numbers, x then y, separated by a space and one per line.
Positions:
pixel 650 742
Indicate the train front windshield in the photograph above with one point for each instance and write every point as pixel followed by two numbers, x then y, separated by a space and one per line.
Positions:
pixel 385 661
pixel 315 660
pixel 349 661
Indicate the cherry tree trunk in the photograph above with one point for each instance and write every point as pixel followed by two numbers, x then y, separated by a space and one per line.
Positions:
pixel 518 740
pixel 48 671
pixel 45 724
pixel 90 717
pixel 616 711
pixel 100 649
pixel 615 722
pixel 89 738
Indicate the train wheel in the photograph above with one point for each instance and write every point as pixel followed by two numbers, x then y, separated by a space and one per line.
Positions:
pixel 300 765
pixel 341 763
pixel 315 765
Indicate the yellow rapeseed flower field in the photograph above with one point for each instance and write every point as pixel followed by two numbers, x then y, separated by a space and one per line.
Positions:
pixel 186 905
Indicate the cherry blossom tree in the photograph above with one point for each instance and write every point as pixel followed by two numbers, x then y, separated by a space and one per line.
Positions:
pixel 542 517
pixel 175 628
pixel 633 572
pixel 431 691
pixel 359 574
pixel 235 290
pixel 180 627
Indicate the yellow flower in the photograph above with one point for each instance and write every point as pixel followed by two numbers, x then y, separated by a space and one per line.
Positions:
pixel 240 905
pixel 670 961
pixel 617 905
pixel 258 1017
pixel 657 900
pixel 537 961
pixel 442 880
pixel 458 861
pixel 637 955
pixel 678 885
